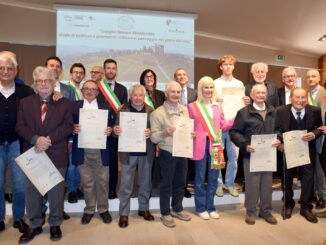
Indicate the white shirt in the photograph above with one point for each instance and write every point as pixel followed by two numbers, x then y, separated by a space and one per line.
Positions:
pixel 79 95
pixel 223 82
pixel 259 108
pixel 294 112
pixel 314 91
pixel 57 86
pixel 7 92
pixel 287 95
pixel 93 105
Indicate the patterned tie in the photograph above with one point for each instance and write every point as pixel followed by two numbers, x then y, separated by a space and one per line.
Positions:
pixel 43 111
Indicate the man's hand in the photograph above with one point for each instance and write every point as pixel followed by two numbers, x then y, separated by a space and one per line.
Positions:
pixel 108 131
pixel 117 130
pixel 57 95
pixel 308 136
pixel 169 131
pixel 42 143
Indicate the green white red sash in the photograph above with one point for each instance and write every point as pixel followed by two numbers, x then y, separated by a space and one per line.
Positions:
pixel 311 100
pixel 77 96
pixel 217 156
pixel 109 95
pixel 148 100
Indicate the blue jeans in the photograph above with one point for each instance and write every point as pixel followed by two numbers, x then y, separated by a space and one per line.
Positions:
pixel 204 193
pixel 232 165
pixel 8 153
pixel 72 176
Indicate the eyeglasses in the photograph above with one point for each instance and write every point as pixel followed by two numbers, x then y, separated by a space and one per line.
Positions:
pixel 8 68
pixel 78 72
pixel 89 89
pixel 290 76
pixel 149 76
pixel 45 81
pixel 95 72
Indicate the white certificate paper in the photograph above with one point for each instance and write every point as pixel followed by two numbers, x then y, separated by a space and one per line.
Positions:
pixel 40 170
pixel 264 157
pixel 132 138
pixel 296 150
pixel 182 137
pixel 92 123
pixel 232 101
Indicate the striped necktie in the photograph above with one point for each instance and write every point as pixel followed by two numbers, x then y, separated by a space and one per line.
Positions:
pixel 43 111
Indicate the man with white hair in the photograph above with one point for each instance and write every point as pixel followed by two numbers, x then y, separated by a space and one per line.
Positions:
pixel 173 169
pixel 45 124
pixel 10 96
pixel 259 72
pixel 289 75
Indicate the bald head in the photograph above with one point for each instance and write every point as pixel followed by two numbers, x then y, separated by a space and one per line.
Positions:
pixel 312 78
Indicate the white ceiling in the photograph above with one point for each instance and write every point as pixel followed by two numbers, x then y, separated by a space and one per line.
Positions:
pixel 292 26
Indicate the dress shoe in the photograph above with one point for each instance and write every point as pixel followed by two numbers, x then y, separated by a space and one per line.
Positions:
pixel 8 197
pixel 187 193
pixel 321 214
pixel 123 221
pixel 309 215
pixel 65 216
pixel 106 217
pixel 30 234
pixel 269 218
pixel 146 214
pixel 86 218
pixel 320 204
pixel 112 195
pixel 250 219
pixel 55 233
pixel 287 213
pixel 2 225
pixel 72 197
pixel 80 194
pixel 20 225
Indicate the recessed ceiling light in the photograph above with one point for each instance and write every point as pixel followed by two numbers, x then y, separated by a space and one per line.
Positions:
pixel 323 38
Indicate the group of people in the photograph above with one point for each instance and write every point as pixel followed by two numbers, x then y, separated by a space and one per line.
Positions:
pixel 47 118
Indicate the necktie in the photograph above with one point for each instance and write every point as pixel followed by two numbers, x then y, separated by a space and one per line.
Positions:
pixel 298 117
pixel 43 111
pixel 183 97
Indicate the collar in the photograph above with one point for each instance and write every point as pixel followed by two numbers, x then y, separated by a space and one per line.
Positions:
pixel 294 112
pixel 136 108
pixel 259 108
pixel 170 108
pixel 315 90
pixel 226 79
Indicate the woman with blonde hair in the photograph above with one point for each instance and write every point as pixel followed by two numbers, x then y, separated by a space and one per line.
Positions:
pixel 208 150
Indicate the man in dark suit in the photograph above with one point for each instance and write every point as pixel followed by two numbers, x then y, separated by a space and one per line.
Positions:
pixel 300 116
pixel 45 124
pixel 119 92
pixel 188 95
pixel 259 72
pixel 289 75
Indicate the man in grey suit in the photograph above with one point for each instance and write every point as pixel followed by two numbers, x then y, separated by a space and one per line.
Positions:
pixel 316 95
pixel 188 95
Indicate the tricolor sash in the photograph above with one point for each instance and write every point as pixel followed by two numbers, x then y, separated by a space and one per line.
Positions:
pixel 77 97
pixel 217 156
pixel 148 100
pixel 109 95
pixel 311 100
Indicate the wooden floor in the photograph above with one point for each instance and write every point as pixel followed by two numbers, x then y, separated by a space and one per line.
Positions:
pixel 229 229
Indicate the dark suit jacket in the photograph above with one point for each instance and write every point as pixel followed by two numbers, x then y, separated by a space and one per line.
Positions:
pixel 78 153
pixel 119 90
pixel 57 125
pixel 158 98
pixel 191 95
pixel 313 121
pixel 281 95
pixel 67 92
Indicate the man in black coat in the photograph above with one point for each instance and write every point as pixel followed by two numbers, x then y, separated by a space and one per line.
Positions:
pixel 300 116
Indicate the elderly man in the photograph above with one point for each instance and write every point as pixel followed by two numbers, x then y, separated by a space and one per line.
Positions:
pixel 97 73
pixel 259 72
pixel 257 118
pixel 136 160
pixel 227 80
pixel 188 95
pixel 45 124
pixel 316 97
pixel 289 75
pixel 93 163
pixel 10 96
pixel 173 169
pixel 300 116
